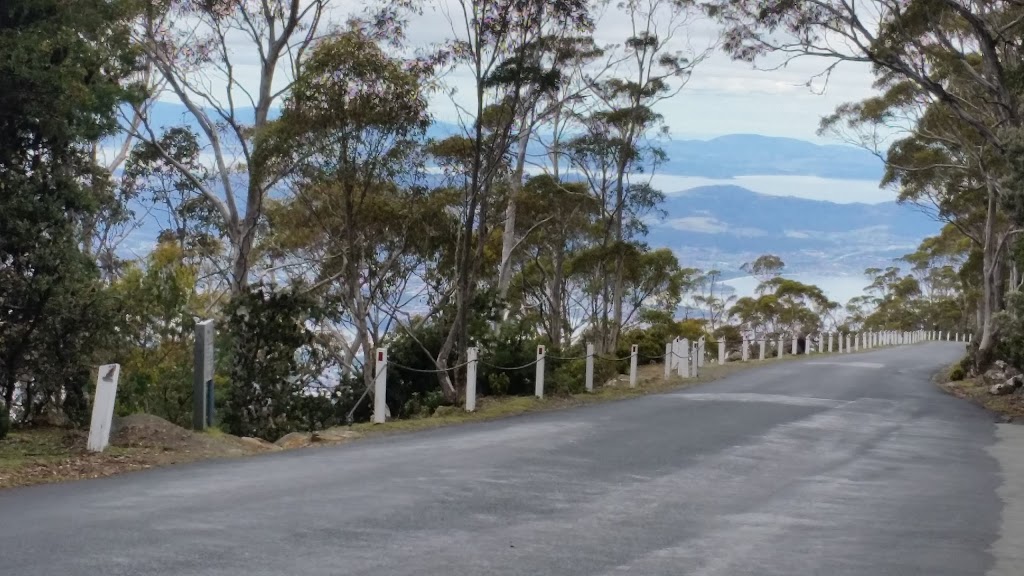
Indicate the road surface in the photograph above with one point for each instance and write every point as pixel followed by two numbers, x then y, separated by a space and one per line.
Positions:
pixel 840 465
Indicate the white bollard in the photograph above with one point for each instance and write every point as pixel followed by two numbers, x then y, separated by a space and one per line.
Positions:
pixel 856 342
pixel 970 337
pixel 103 407
pixel 667 360
pixel 808 345
pixel 380 387
pixel 793 350
pixel 538 381
pixel 821 343
pixel 745 350
pixel 683 350
pixel 695 360
pixel 778 345
pixel 761 344
pixel 830 342
pixel 701 351
pixel 633 351
pixel 471 361
pixel 721 351
pixel 590 368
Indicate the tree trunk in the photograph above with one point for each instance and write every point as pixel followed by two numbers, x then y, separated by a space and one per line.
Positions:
pixel 508 237
pixel 989 279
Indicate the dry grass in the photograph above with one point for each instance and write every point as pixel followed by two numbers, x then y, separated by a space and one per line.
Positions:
pixel 37 456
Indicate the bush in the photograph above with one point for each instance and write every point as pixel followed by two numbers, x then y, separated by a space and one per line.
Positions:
pixel 5 423
pixel 957 373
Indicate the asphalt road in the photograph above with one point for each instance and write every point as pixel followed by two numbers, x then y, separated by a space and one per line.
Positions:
pixel 850 465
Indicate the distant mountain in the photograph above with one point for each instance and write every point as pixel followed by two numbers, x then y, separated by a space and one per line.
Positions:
pixel 725 226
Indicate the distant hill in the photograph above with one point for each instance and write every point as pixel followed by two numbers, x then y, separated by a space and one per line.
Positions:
pixel 725 226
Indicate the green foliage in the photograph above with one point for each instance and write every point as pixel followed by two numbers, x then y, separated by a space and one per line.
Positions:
pixel 5 423
pixel 155 348
pixel 275 360
pixel 62 71
pixel 957 373
pixel 1010 326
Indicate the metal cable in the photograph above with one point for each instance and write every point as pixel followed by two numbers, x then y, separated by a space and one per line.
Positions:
pixel 424 371
pixel 508 368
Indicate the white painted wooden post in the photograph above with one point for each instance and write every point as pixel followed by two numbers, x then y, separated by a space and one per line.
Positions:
pixel 779 346
pixel 590 368
pixel 683 368
pixel 745 350
pixel 808 345
pixel 821 342
pixel 970 337
pixel 380 387
pixel 695 360
pixel 538 381
pixel 471 360
pixel 668 359
pixel 856 342
pixel 761 344
pixel 103 407
pixel 633 351
pixel 794 345
pixel 701 351
pixel 674 358
pixel 721 351
pixel 830 335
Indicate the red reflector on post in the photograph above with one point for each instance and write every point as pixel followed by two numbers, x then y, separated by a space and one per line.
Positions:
pixel 380 356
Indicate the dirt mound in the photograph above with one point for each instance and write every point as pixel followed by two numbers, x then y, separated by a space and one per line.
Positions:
pixel 148 431
pixel 155 433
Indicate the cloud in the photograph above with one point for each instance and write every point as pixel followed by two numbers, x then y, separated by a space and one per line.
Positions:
pixel 711 225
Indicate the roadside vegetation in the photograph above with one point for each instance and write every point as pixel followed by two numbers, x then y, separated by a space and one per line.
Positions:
pixel 327 214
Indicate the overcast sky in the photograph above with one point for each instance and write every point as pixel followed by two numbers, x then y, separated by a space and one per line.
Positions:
pixel 723 96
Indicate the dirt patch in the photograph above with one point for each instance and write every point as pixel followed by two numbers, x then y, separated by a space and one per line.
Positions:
pixel 1010 406
pixel 139 442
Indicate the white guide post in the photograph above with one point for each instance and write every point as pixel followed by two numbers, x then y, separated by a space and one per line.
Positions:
pixel 471 361
pixel 633 351
pixel 538 381
pixel 103 407
pixel 668 359
pixel 590 367
pixel 380 387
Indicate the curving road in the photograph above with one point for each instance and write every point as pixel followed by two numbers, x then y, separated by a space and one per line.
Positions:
pixel 840 465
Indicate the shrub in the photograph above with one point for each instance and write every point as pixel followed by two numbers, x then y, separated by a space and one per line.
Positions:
pixel 957 373
pixel 5 423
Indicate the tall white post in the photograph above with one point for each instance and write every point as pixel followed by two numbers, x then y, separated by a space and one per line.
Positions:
pixel 668 359
pixel 683 368
pixel 821 342
pixel 830 335
pixel 701 352
pixel 745 350
pixel 471 362
pixel 103 407
pixel 695 360
pixel 590 368
pixel 808 345
pixel 721 351
pixel 380 387
pixel 633 351
pixel 970 337
pixel 794 345
pixel 778 345
pixel 538 379
pixel 761 344
pixel 856 342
